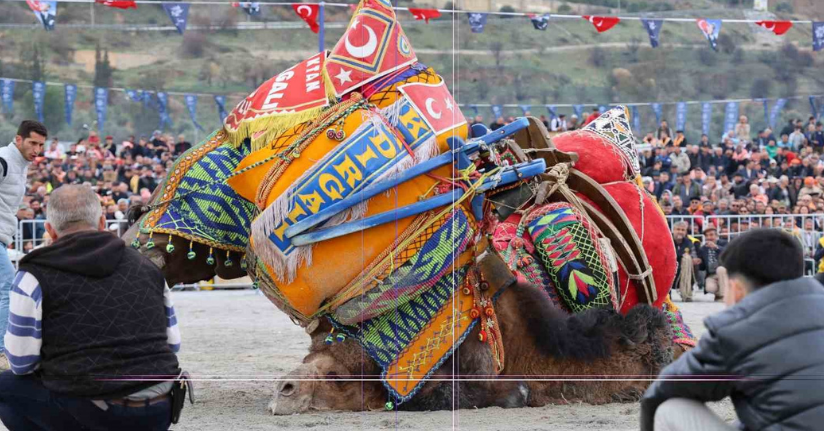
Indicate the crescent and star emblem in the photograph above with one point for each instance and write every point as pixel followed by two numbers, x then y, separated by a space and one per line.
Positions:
pixel 430 110
pixel 366 49
pixel 308 10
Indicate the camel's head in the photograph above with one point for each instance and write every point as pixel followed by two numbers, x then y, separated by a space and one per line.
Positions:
pixel 337 376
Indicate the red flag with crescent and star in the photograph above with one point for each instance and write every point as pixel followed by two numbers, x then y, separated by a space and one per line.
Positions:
pixel 777 27
pixel 308 12
pixel 120 4
pixel 602 23
pixel 372 46
pixel 435 105
pixel 424 14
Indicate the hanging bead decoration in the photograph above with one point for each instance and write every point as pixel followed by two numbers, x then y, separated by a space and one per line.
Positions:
pixel 136 242
pixel 243 264
pixel 341 337
pixel 191 255
pixel 228 262
pixel 211 259
pixel 389 406
pixel 330 338
pixel 169 246
pixel 150 245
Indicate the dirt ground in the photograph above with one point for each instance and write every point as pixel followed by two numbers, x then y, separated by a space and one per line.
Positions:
pixel 242 342
pixel 237 343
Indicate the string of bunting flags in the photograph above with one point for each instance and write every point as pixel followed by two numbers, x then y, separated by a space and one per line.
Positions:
pixel 159 101
pixel 312 13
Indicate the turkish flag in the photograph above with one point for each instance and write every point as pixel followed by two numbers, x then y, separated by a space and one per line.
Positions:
pixel 424 14
pixel 373 46
pixel 602 23
pixel 435 105
pixel 308 12
pixel 120 4
pixel 777 27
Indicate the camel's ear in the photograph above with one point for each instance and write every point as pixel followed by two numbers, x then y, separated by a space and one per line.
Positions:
pixel 318 329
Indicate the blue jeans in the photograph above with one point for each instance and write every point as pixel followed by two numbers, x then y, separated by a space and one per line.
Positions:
pixel 6 279
pixel 25 404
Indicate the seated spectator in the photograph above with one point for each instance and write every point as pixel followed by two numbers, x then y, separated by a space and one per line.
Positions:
pixel 753 337
pixel 106 355
pixel 715 281
pixel 810 188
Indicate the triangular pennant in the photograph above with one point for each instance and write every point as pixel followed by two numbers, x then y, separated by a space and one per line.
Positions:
pixel 653 27
pixel 119 4
pixel 540 22
pixel 477 22
pixel 372 46
pixel 309 13
pixel 45 11
pixel 710 28
pixel 602 23
pixel 424 14
pixel 251 8
pixel 777 27
pixel 179 14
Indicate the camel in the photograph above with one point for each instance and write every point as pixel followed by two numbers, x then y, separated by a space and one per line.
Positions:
pixel 597 357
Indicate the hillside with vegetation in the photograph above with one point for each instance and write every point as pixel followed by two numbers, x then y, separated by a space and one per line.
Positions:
pixel 509 62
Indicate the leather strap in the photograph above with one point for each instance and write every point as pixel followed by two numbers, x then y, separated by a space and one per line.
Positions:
pixel 138 403
pixel 617 227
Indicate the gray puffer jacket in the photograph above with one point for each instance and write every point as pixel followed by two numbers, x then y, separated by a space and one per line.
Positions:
pixel 766 353
pixel 13 171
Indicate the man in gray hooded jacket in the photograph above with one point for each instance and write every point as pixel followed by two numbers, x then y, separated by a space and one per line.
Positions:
pixel 14 164
pixel 766 351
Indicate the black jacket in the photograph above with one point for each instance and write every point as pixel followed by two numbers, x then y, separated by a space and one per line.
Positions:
pixel 104 319
pixel 766 353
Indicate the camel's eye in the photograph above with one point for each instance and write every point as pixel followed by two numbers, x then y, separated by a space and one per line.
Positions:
pixel 334 377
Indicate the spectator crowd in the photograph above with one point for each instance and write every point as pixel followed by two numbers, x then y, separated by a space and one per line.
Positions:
pixel 121 174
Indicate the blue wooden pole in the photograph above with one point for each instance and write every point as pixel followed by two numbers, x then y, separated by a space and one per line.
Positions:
pixel 322 27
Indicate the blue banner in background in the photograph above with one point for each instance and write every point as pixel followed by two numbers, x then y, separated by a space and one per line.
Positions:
pixel 38 94
pixel 162 106
pixel 101 101
pixel 191 104
pixel 474 109
pixel 653 27
pixel 656 108
pixel 7 93
pixel 706 117
pixel 636 118
pixel 147 99
pixel 178 13
pixel 818 36
pixel 220 101
pixel 603 108
pixel 730 116
pixel 525 109
pixel 71 95
pixel 578 110
pixel 680 116
pixel 813 108
pixel 551 110
pixel 776 111
pixel 497 111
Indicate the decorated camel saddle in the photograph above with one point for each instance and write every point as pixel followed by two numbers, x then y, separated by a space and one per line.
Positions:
pixel 360 195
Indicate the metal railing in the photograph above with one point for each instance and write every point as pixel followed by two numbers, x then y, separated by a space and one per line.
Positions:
pixel 808 228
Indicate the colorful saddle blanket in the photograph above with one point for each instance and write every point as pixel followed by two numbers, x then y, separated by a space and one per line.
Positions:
pixel 194 201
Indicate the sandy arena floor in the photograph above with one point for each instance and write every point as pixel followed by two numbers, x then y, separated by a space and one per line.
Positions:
pixel 236 337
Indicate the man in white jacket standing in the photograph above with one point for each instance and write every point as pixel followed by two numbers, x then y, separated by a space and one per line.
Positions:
pixel 14 165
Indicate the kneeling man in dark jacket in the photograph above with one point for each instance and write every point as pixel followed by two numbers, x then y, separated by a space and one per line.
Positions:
pixel 92 332
pixel 766 351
